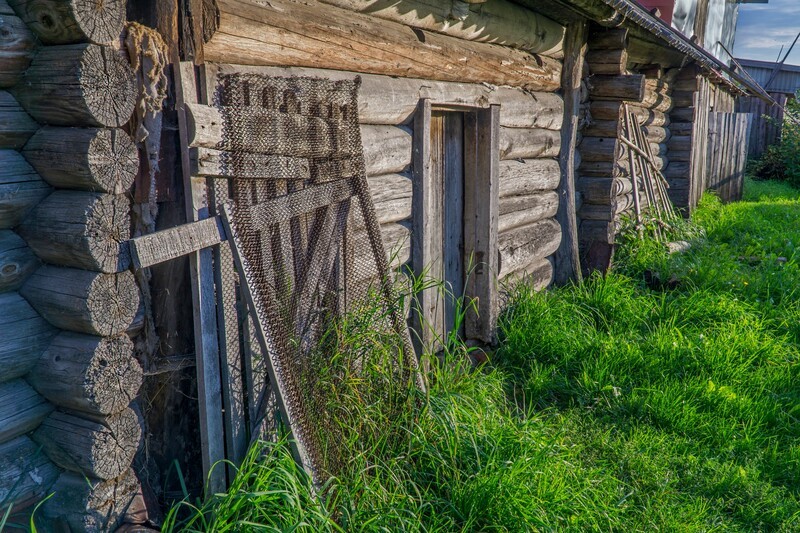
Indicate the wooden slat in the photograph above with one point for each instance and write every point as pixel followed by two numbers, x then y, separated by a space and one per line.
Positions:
pixel 306 200
pixel 426 248
pixel 164 245
pixel 201 269
pixel 453 214
pixel 218 164
pixel 233 394
pixel 481 220
pixel 567 259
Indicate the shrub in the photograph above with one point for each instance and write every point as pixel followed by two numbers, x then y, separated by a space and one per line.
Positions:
pixel 782 161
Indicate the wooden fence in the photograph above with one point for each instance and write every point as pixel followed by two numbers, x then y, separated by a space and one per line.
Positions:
pixel 728 138
pixel 767 121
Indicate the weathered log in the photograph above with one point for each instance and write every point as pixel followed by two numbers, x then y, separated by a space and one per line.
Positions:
pixel 679 155
pixel 354 42
pixel 90 159
pixel 393 210
pixel 597 231
pixel 16 47
pixel 81 504
pixel 25 472
pixel 609 39
pixel 80 229
pixel 21 188
pixel 607 211
pixel 73 21
pixel 683 98
pixel 611 62
pixel 397 242
pixel 629 87
pixel 521 246
pixel 598 149
pixel 391 100
pixel 680 143
pixel 83 301
pixel 516 211
pixel 523 143
pixel 391 194
pixel 603 190
pixel 78 85
pixel 538 274
pixel 527 176
pixel 22 409
pixel 97 375
pixel 656 102
pixel 605 109
pixel 656 134
pixel 602 128
pixel 682 128
pixel 641 52
pixel 387 149
pixel 683 114
pixel 678 169
pixel 389 187
pixel 17 126
pixel 99 447
pixel 678 183
pixel 17 261
pixel 24 335
pixel 497 22
pixel 604 169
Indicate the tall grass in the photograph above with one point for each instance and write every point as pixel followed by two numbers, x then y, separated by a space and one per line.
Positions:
pixel 616 405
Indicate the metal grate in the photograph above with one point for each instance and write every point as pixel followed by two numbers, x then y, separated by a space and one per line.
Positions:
pixel 309 250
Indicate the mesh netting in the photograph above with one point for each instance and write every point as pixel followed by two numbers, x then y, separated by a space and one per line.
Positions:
pixel 313 259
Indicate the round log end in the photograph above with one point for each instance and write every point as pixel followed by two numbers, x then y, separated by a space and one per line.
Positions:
pixel 112 302
pixel 90 159
pixel 79 85
pixel 97 375
pixel 73 21
pixel 81 229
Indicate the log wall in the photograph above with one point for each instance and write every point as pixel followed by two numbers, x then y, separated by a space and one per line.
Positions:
pixel 67 369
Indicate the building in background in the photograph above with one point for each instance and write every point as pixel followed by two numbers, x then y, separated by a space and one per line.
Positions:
pixel 710 23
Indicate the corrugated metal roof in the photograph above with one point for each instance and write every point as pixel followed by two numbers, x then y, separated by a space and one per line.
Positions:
pixel 786 81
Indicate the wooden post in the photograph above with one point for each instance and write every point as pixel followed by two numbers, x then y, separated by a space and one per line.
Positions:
pixel 209 379
pixel 567 258
pixel 426 250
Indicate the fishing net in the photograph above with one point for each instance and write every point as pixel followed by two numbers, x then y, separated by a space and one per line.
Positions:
pixel 312 260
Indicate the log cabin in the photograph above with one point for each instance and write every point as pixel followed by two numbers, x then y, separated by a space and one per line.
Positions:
pixel 486 125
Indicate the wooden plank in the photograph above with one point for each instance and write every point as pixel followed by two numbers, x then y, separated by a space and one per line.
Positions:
pixel 233 395
pixel 481 220
pixel 154 248
pixel 283 208
pixel 567 258
pixel 219 164
pixel 453 213
pixel 201 269
pixel 426 248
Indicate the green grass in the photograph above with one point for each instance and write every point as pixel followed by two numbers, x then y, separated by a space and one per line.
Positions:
pixel 622 404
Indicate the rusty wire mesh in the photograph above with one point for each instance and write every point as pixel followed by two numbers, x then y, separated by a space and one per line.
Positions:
pixel 312 258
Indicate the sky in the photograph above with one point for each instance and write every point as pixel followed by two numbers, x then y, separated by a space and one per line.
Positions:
pixel 763 28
